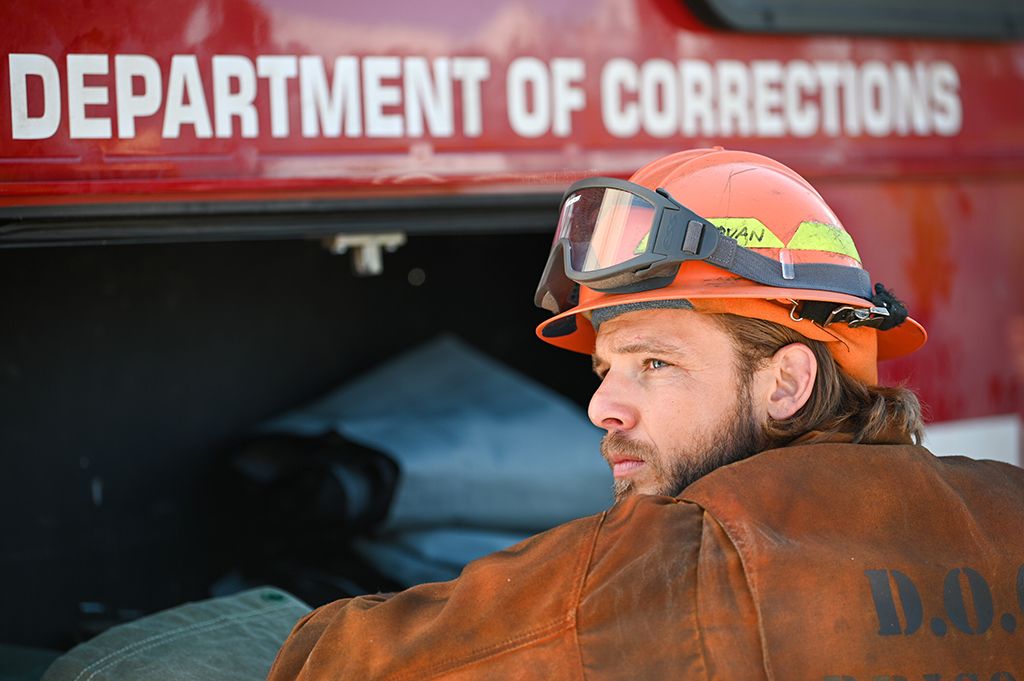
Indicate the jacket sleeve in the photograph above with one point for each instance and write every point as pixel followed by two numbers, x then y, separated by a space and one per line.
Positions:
pixel 519 600
pixel 613 596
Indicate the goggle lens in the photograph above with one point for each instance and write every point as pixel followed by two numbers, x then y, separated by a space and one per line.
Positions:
pixel 605 227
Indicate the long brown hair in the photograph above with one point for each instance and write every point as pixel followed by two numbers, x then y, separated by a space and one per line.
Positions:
pixel 838 403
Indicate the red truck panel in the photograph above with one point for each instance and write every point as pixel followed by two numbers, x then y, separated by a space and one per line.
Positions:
pixel 918 144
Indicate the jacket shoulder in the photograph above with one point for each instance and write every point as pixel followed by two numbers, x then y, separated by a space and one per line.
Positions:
pixel 865 549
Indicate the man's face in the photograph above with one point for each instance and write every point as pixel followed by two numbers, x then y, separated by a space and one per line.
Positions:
pixel 671 400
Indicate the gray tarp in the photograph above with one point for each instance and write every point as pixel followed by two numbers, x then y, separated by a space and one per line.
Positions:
pixel 487 456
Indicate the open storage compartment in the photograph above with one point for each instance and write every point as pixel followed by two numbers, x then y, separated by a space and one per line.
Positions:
pixel 128 370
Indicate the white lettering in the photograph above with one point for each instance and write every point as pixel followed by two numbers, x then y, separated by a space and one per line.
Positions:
pixel 910 106
pixel 471 72
pixel 876 99
pixel 828 77
pixel 659 98
pixel 428 97
pixel 851 98
pixel 327 107
pixel 621 119
pixel 131 105
pixel 947 111
pixel 767 80
pixel 769 98
pixel 184 83
pixel 697 86
pixel 377 95
pixel 733 98
pixel 417 96
pixel 81 95
pixel 529 76
pixel 25 126
pixel 801 115
pixel 228 102
pixel 278 70
pixel 566 94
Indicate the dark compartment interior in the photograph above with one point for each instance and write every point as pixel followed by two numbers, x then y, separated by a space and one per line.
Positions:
pixel 125 371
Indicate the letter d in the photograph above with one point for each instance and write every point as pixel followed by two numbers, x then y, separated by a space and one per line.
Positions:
pixel 23 126
pixel 885 604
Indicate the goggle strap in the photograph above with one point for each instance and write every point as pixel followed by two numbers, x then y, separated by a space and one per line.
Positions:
pixel 730 256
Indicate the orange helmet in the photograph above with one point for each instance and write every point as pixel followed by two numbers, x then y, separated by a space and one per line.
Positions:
pixel 645 240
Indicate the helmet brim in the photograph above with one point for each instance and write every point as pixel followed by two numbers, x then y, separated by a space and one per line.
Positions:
pixel 572 329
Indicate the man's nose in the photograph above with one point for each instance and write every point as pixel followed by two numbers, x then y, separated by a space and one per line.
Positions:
pixel 610 407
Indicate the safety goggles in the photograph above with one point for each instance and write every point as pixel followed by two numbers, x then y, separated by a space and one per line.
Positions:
pixel 614 236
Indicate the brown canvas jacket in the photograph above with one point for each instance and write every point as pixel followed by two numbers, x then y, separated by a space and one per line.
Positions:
pixel 830 561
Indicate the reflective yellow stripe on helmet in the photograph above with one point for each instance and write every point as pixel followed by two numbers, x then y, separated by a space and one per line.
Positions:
pixel 818 236
pixel 809 236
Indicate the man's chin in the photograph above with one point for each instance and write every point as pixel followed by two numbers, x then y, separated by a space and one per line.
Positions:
pixel 623 489
pixel 680 480
pixel 628 488
pixel 741 438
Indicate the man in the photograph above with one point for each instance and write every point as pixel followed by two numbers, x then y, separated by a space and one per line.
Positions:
pixel 775 519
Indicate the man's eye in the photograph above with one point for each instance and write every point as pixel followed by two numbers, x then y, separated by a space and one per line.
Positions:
pixel 656 363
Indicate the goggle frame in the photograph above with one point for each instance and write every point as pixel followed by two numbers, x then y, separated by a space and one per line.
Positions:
pixel 677 235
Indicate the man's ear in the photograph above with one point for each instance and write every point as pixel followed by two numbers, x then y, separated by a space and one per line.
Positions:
pixel 793 370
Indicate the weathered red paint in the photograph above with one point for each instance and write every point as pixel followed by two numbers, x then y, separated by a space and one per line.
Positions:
pixel 935 216
pixel 64 169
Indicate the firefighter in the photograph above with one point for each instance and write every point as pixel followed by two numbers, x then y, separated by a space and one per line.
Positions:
pixel 776 516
